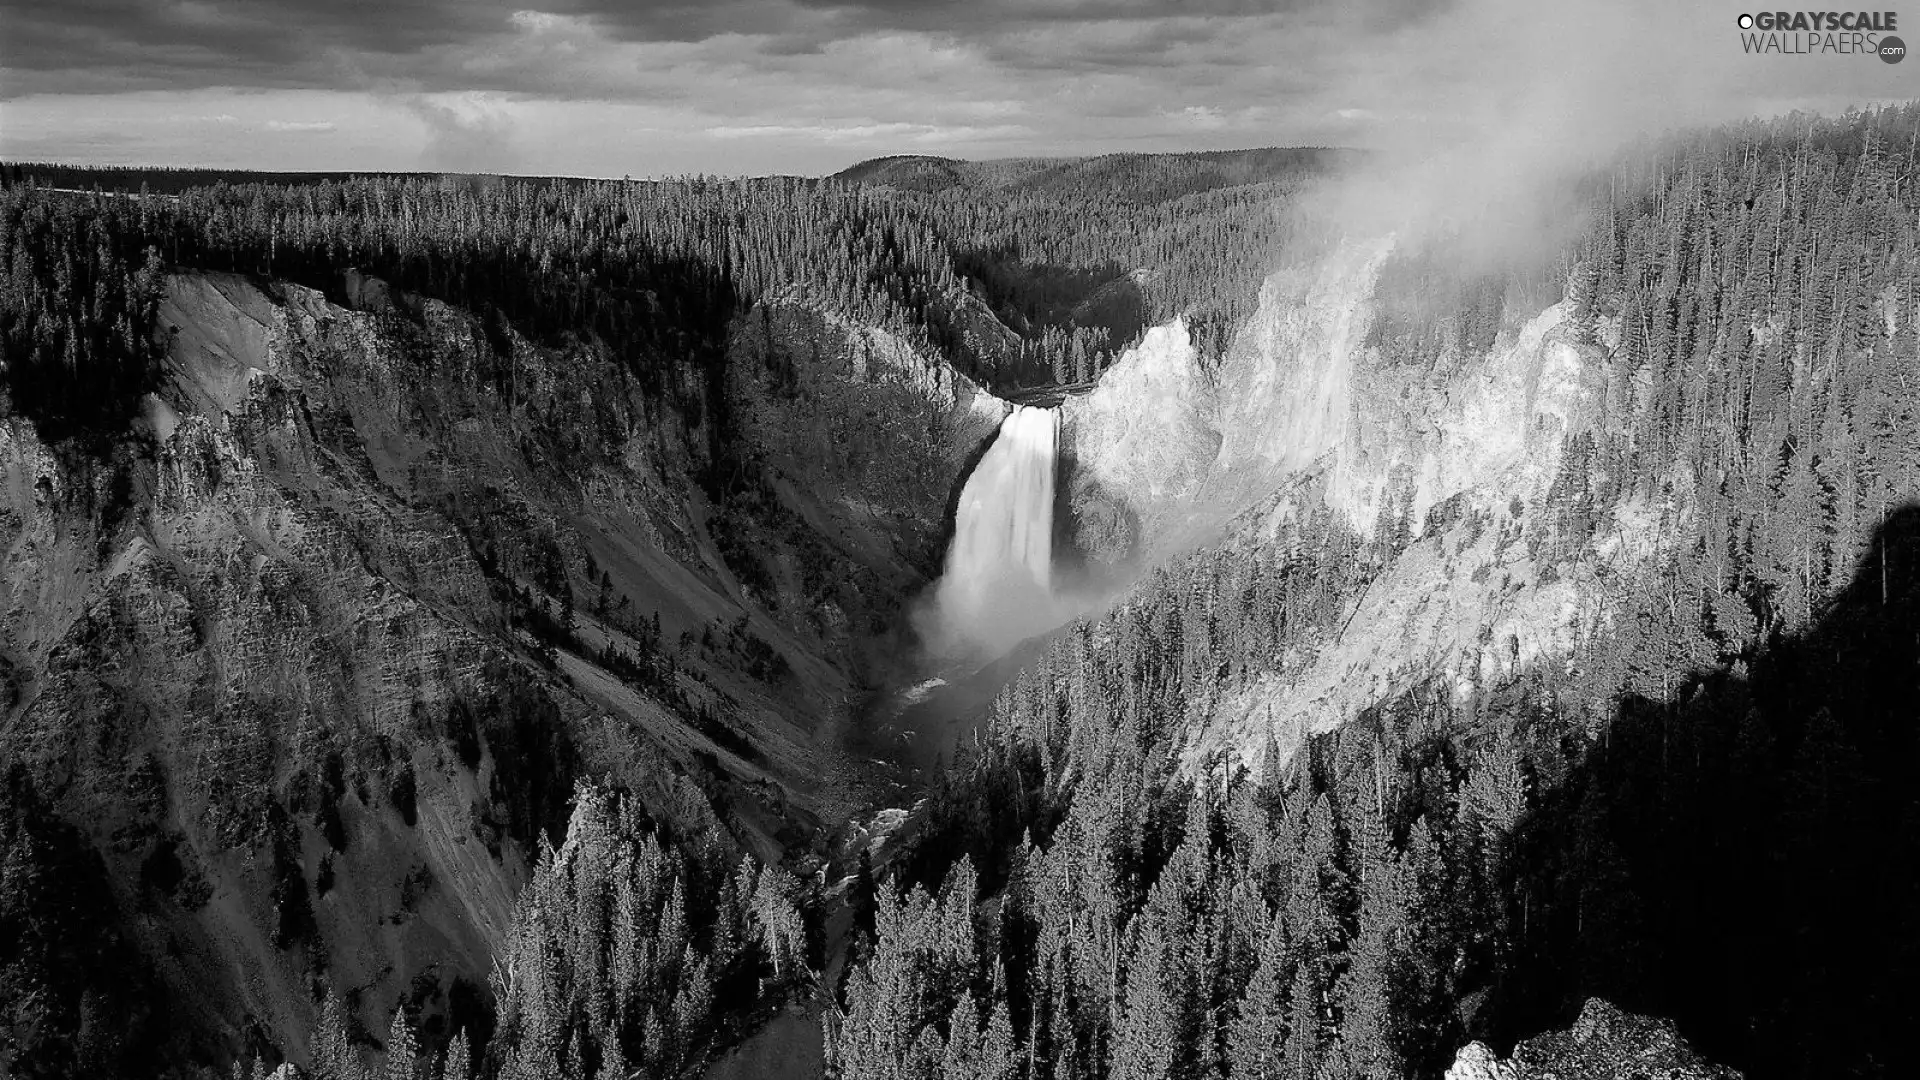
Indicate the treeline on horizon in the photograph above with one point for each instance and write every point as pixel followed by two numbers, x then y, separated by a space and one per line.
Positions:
pixel 1149 177
pixel 1707 812
pixel 652 270
pixel 164 179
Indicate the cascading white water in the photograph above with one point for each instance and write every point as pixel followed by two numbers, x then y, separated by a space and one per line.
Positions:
pixel 997 588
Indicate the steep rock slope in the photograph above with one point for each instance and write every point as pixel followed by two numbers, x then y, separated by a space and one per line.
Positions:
pixel 1138 447
pixel 310 657
pixel 1443 469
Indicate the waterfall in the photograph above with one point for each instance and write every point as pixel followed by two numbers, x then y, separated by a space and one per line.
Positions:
pixel 997 588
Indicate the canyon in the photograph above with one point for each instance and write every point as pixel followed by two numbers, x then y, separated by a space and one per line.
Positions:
pixel 349 517
pixel 953 627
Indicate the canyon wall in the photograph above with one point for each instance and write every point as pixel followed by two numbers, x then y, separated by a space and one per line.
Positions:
pixel 367 585
pixel 1445 466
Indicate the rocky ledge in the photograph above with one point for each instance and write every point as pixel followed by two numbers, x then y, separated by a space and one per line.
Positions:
pixel 1605 1043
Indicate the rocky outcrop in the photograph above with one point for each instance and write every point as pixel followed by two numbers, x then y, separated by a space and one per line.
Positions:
pixel 985 343
pixel 1136 450
pixel 1291 385
pixel 1603 1044
pixel 1445 468
pixel 1478 1062
pixel 1301 394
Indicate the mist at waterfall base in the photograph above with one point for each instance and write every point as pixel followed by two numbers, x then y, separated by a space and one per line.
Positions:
pixel 1002 589
pixel 999 585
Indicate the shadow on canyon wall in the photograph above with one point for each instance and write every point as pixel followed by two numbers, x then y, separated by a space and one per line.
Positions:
pixel 1745 858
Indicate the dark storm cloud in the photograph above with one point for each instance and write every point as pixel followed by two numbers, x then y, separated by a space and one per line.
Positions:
pixel 935 14
pixel 130 44
pixel 804 26
pixel 96 46
pixel 1112 45
pixel 115 45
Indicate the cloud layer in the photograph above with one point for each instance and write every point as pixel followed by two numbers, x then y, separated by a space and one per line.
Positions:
pixel 606 88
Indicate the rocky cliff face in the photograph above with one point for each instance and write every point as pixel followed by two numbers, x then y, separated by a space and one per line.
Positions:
pixel 1136 451
pixel 866 436
pixel 1446 468
pixel 366 589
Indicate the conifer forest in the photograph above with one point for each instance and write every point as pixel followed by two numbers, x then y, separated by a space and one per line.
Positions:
pixel 481 627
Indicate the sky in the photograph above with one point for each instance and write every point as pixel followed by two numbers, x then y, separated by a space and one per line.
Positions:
pixel 750 87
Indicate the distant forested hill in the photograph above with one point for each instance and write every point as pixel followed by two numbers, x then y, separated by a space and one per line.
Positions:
pixel 1044 236
pixel 1138 178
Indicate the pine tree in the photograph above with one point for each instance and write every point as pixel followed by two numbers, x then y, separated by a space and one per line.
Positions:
pixel 1305 1037
pixel 1256 1042
pixel 1371 989
pixel 403 1050
pixel 1146 1042
pixel 961 1058
pixel 332 1051
pixel 613 1058
pixel 459 1061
